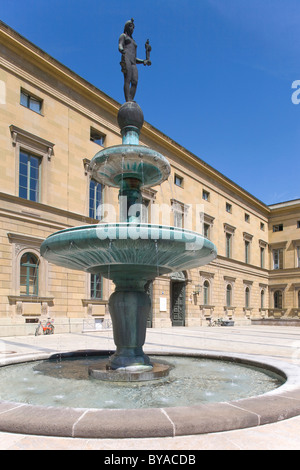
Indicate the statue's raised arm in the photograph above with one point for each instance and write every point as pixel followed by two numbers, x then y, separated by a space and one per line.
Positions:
pixel 128 47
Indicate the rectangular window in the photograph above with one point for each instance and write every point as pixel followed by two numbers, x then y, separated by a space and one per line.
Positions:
pixel 206 230
pixel 228 245
pixel 205 195
pixel 298 224
pixel 96 286
pixel 178 219
pixel 31 102
pixel 228 208
pixel 298 256
pixel 178 180
pixel 262 257
pixel 29 176
pixel 262 226
pixel 95 200
pixel 278 228
pixel 247 218
pixel 97 137
pixel 247 251
pixel 278 259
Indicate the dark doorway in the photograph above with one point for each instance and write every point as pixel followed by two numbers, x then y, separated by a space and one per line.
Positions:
pixel 178 303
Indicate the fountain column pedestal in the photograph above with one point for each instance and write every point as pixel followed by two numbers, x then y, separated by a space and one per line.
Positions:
pixel 129 308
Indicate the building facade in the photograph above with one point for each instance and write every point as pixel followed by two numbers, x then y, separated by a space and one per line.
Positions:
pixel 52 123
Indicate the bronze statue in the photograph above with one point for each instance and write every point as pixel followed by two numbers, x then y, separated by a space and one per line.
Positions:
pixel 128 47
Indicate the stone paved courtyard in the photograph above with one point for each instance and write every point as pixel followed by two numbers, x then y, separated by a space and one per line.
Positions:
pixel 281 343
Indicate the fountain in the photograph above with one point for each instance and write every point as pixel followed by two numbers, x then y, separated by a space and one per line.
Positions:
pixel 192 393
pixel 128 252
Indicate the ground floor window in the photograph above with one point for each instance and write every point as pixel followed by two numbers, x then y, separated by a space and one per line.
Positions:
pixel 278 299
pixel 228 295
pixel 96 286
pixel 29 268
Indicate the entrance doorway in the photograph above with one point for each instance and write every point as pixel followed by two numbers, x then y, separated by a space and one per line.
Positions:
pixel 178 286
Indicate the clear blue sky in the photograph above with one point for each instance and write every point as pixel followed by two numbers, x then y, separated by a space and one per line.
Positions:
pixel 220 81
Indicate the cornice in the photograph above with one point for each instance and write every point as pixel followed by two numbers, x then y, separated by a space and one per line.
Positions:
pixel 34 54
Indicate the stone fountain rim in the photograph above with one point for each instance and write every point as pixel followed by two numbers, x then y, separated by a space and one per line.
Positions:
pixel 276 405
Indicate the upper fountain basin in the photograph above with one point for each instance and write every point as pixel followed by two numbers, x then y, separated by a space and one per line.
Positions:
pixel 111 165
pixel 127 251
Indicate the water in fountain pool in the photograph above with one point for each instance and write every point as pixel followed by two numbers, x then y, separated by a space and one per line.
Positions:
pixel 65 382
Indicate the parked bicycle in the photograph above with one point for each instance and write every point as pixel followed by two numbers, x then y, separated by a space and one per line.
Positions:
pixel 47 329
pixel 217 322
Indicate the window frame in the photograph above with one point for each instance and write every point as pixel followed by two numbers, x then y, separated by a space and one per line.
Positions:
pixel 94 203
pixel 94 278
pixel 96 136
pixel 29 178
pixel 28 276
pixel 179 179
pixel 30 98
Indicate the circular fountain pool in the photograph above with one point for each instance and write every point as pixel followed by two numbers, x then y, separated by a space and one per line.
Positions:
pixel 65 382
pixel 25 405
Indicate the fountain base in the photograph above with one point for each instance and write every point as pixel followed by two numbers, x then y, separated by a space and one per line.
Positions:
pixel 101 371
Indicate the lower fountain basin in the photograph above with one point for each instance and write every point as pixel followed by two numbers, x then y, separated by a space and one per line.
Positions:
pixel 67 421
pixel 142 251
pixel 67 381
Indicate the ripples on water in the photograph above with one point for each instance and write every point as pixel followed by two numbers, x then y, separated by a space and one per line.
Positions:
pixel 65 382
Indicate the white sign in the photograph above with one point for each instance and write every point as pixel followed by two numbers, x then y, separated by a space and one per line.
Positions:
pixel 163 304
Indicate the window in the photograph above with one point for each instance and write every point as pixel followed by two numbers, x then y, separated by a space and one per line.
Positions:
pixel 29 268
pixel 298 298
pixel 262 299
pixel 298 256
pixel 29 176
pixel 262 257
pixel 205 195
pixel 247 251
pixel 298 224
pixel 278 299
pixel 206 293
pixel 228 295
pixel 97 137
pixel 31 102
pixel 178 180
pixel 206 230
pixel 247 218
pixel 278 228
pixel 278 259
pixel 178 218
pixel 247 297
pixel 96 286
pixel 228 245
pixel 262 226
pixel 228 208
pixel 95 200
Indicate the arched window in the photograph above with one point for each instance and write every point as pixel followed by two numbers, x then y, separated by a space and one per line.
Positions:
pixel 29 278
pixel 262 298
pixel 247 297
pixel 206 293
pixel 277 299
pixel 228 295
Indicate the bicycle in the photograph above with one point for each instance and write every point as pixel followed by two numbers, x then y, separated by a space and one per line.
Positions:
pixel 215 322
pixel 48 329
